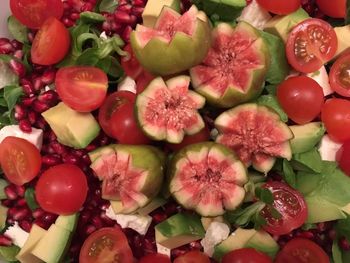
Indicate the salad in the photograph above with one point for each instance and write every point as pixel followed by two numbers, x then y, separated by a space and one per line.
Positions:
pixel 175 131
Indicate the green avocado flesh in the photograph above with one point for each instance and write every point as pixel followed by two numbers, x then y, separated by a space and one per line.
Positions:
pixel 223 10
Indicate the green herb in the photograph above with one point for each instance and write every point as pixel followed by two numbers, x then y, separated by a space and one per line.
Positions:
pixel 29 196
pixel 9 96
pixel 272 102
pixel 108 6
pixel 308 161
pixel 17 30
pixel 264 195
pixel 288 173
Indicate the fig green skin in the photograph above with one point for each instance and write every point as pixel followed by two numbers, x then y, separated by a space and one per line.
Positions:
pixel 182 53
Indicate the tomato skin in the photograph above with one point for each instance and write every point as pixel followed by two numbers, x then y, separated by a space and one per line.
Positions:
pixel 152 258
pixel 143 80
pixel 59 184
pixel 33 13
pixel 301 98
pixel 335 8
pixel 20 160
pixel 246 255
pixel 299 250
pixel 51 44
pixel 339 78
pixel 304 44
pixel 193 257
pixel 290 204
pixel 280 7
pixel 202 136
pixel 82 88
pixel 120 247
pixel 343 157
pixel 130 64
pixel 335 116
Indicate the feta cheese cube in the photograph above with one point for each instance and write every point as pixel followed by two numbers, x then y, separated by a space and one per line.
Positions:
pixel 255 15
pixel 328 148
pixel 216 233
pixel 35 137
pixel 103 35
pixel 163 250
pixel 321 77
pixel 127 84
pixel 17 234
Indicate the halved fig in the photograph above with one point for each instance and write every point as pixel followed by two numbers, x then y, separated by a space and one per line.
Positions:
pixel 175 44
pixel 208 178
pixel 132 174
pixel 235 67
pixel 168 110
pixel 256 133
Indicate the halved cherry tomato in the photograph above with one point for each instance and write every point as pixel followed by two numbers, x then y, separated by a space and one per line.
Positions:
pixel 291 206
pixel 130 64
pixel 343 157
pixel 51 43
pixel 33 13
pixel 107 244
pixel 300 250
pixel 311 44
pixel 201 136
pixel 301 98
pixel 117 118
pixel 246 255
pixel 335 116
pixel 83 88
pixel 339 76
pixel 333 8
pixel 62 189
pixel 20 160
pixel 193 257
pixel 280 7
pixel 155 258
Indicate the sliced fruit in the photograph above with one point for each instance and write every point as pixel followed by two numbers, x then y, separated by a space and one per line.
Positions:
pixel 131 174
pixel 153 9
pixel 208 178
pixel 168 110
pixel 235 67
pixel 256 134
pixel 176 43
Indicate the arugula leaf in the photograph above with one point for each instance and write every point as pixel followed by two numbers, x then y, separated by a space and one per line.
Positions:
pixel 288 173
pixel 308 161
pixel 91 17
pixel 17 30
pixel 264 195
pixel 272 102
pixel 29 196
pixel 243 216
pixel 108 6
pixel 11 95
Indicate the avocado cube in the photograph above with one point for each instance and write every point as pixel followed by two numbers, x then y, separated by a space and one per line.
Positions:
pixel 179 230
pixel 153 9
pixel 263 242
pixel 343 36
pixel 151 206
pixel 68 222
pixel 3 216
pixel 72 128
pixel 225 10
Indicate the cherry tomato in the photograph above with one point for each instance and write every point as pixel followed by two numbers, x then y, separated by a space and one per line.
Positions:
pixel 130 64
pixel 83 88
pixel 343 157
pixel 20 160
pixel 300 250
pixel 155 258
pixel 291 206
pixel 143 80
pixel 335 116
pixel 107 244
pixel 62 189
pixel 311 44
pixel 334 8
pixel 51 43
pixel 193 257
pixel 301 98
pixel 117 118
pixel 202 136
pixel 246 255
pixel 33 13
pixel 280 7
pixel 339 76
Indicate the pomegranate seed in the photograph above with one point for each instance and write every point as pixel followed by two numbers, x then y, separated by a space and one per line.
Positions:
pixel 7 203
pixel 48 76
pixel 10 192
pixel 122 17
pixel 305 234
pixel 27 87
pixel 41 123
pixel 91 147
pixel 20 190
pixel 195 245
pixel 5 241
pixel 41 223
pixel 344 244
pixel 139 3
pixel 137 11
pixel 58 148
pixel 17 67
pixel 87 7
pixel 126 33
pixel 86 160
pixel 5 46
pixel 67 22
pixel 125 8
pixel 25 225
pixel 30 37
pixel 38 84
pixel 178 252
pixel 49 218
pixel 28 101
pixel 21 202
pixel 20 112
pixel 97 222
pixel 159 217
pixel 332 234
pixel 106 26
pixel 25 126
pixel 16 44
pixel 74 16
pixel 90 229
pixel 32 117
pixel 51 160
pixel 69 158
pixel 18 54
pixel 10 221
pixel 21 214
pixel 38 213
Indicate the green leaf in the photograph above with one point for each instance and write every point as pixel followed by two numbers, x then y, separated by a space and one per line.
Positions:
pixel 91 17
pixel 342 227
pixel 264 195
pixel 271 89
pixel 108 6
pixel 11 95
pixel 259 221
pixel 272 102
pixel 288 173
pixel 336 253
pixel 89 57
pixel 9 253
pixel 243 216
pixel 29 196
pixel 17 30
pixel 308 161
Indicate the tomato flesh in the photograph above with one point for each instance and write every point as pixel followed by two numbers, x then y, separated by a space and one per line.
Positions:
pixel 246 255
pixel 343 157
pixel 339 75
pixel 152 258
pixel 280 7
pixel 83 88
pixel 62 189
pixel 334 8
pixel 193 257
pixel 311 43
pixel 20 160
pixel 130 64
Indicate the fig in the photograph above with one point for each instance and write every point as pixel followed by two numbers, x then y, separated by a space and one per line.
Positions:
pixel 256 133
pixel 175 44
pixel 168 110
pixel 130 174
pixel 208 178
pixel 235 67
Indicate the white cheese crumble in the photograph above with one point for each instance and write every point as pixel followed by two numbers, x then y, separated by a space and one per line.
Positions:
pixel 328 148
pixel 321 77
pixel 103 35
pixel 35 136
pixel 163 250
pixel 128 84
pixel 255 15
pixel 17 234
pixel 216 233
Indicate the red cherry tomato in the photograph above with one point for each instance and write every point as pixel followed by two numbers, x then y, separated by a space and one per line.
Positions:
pixel 311 44
pixel 343 157
pixel 300 250
pixel 130 64
pixel 280 7
pixel 301 98
pixel 20 160
pixel 153 258
pixel 202 136
pixel 291 206
pixel 193 257
pixel 334 8
pixel 33 13
pixel 83 88
pixel 335 116
pixel 62 189
pixel 143 80
pixel 107 244
pixel 339 76
pixel 246 255
pixel 51 43
pixel 117 118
